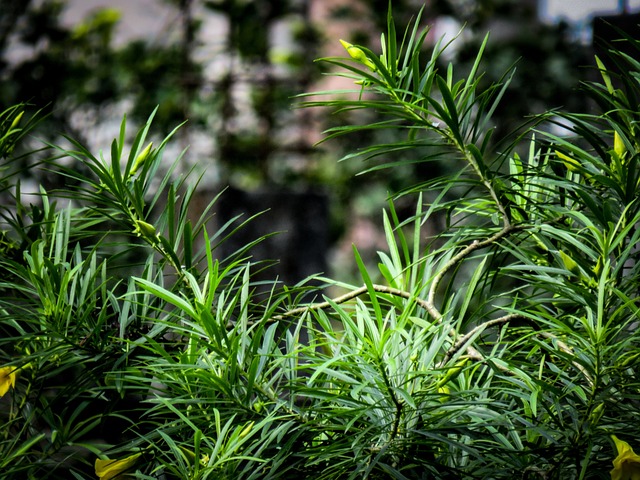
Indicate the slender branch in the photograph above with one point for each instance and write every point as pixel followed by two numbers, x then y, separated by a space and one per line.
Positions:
pixel 428 305
pixel 350 296
pixel 474 354
pixel 470 158
pixel 473 246
pixel 471 351
pixel 466 338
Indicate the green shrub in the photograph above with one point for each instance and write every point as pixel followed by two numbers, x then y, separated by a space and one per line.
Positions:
pixel 503 346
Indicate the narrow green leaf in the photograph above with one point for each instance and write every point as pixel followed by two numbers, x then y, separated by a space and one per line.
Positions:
pixel 187 242
pixel 167 296
pixel 392 46
pixel 449 107
pixel 367 280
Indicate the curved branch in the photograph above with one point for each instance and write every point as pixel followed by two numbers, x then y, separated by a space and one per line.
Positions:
pixel 473 246
pixel 429 303
pixel 350 296
pixel 460 343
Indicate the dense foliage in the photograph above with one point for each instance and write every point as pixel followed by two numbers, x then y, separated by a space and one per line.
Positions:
pixel 504 345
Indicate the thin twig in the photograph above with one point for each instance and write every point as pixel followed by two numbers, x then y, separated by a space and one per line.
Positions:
pixel 429 303
pixel 473 246
pixel 471 351
pixel 350 296
pixel 469 335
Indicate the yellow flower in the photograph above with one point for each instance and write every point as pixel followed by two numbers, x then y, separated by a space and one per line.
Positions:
pixel 108 469
pixel 8 377
pixel 626 466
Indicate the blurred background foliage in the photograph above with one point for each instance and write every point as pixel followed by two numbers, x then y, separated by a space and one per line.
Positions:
pixel 238 95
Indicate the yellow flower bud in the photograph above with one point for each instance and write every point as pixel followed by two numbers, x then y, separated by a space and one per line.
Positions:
pixel 618 145
pixel 144 229
pixel 598 268
pixel 108 469
pixel 597 412
pixel 16 121
pixel 452 372
pixel 246 430
pixel 358 55
pixel 569 263
pixel 140 159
